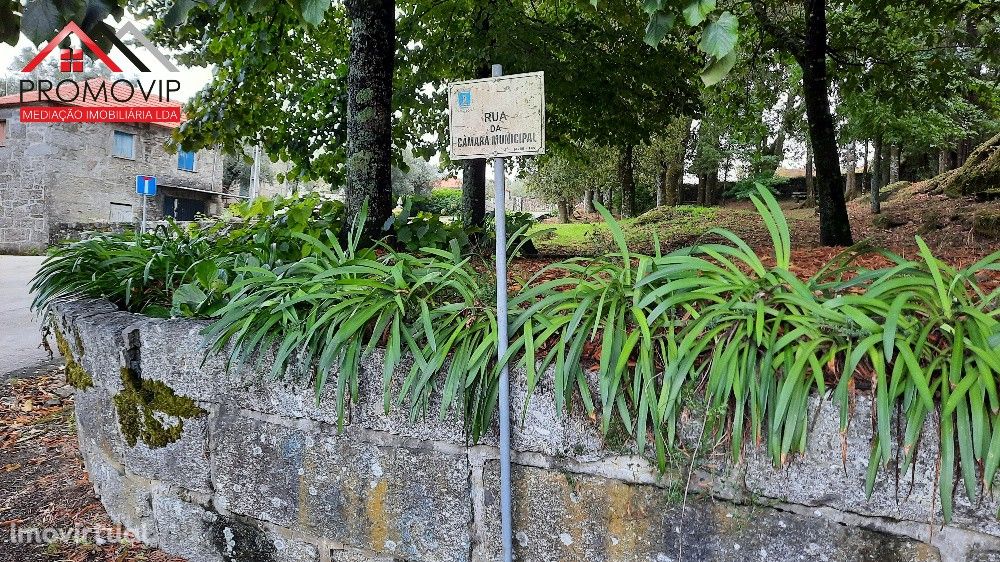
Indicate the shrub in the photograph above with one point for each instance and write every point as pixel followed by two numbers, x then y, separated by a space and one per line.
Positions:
pixel 446 202
pixel 748 187
pixel 335 307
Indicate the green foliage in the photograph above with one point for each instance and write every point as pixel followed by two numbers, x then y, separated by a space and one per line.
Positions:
pixel 718 35
pixel 426 230
pixel 184 269
pixel 137 272
pixel 440 202
pixel 757 341
pixel 338 306
pixel 565 175
pixel 748 187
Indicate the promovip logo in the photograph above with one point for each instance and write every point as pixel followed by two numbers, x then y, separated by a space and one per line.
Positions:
pixel 71 60
pixel 128 100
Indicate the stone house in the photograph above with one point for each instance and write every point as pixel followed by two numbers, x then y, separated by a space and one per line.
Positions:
pixel 58 179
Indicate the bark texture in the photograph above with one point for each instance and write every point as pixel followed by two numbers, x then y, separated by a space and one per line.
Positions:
pixel 369 110
pixel 588 201
pixel 626 176
pixel 474 171
pixel 876 179
pixel 834 224
pixel 810 177
pixel 893 164
pixel 852 172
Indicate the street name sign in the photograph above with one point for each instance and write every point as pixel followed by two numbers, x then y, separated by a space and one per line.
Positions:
pixel 497 117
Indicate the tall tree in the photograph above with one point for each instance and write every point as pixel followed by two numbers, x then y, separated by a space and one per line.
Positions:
pixel 810 52
pixel 369 110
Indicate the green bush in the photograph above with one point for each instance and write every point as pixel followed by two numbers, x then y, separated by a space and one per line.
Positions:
pixel 747 188
pixel 447 202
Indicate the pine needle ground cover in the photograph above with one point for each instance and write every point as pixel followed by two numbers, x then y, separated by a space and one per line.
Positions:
pixel 632 338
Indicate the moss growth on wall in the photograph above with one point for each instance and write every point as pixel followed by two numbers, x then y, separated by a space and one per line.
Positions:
pixel 141 400
pixel 76 375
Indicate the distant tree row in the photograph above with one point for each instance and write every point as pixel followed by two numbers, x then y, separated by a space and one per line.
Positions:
pixel 343 90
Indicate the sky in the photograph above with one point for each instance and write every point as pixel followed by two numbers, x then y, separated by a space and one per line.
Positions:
pixel 191 79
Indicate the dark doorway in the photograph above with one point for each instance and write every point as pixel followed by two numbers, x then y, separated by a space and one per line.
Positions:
pixel 182 209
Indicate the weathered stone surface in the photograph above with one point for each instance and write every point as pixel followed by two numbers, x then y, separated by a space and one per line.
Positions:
pixel 369 411
pixel 268 465
pixel 412 504
pixel 104 346
pixel 183 463
pixel 565 517
pixel 127 500
pixel 58 179
pixel 542 428
pixel 978 555
pixel 202 535
pixel 820 477
pixel 97 424
pixel 355 555
pixel 173 352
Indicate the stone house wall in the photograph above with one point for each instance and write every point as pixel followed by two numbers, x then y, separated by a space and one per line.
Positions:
pixel 225 465
pixel 55 175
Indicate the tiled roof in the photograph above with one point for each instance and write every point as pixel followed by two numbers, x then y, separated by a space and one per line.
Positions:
pixel 121 91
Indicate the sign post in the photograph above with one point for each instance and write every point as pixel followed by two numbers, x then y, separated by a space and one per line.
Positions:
pixel 499 117
pixel 146 187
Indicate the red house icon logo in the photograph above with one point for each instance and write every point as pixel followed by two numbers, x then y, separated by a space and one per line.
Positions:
pixel 71 60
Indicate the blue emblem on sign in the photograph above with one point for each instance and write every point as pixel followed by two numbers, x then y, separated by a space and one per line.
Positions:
pixel 464 98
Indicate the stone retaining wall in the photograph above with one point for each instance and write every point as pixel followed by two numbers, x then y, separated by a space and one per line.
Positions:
pixel 228 466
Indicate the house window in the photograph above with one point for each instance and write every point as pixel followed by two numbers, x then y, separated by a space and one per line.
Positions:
pixel 121 212
pixel 124 145
pixel 185 160
pixel 3 132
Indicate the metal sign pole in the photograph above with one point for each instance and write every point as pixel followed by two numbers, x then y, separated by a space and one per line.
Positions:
pixel 499 220
pixel 145 200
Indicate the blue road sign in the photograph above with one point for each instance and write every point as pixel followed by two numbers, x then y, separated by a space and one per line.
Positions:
pixel 145 185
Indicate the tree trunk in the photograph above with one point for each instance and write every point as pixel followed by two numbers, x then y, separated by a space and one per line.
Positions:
pixel 588 201
pixel 562 207
pixel 876 180
pixel 474 171
pixel 834 224
pixel 369 110
pixel 810 179
pixel 893 164
pixel 675 168
pixel 852 172
pixel 474 192
pixel 712 194
pixel 626 176
pixel 661 184
pixel 864 169
pixel 944 160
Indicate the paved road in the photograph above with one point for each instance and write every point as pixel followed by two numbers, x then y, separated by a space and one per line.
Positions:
pixel 19 328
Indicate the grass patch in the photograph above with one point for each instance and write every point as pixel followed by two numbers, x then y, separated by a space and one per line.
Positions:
pixel 671 225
